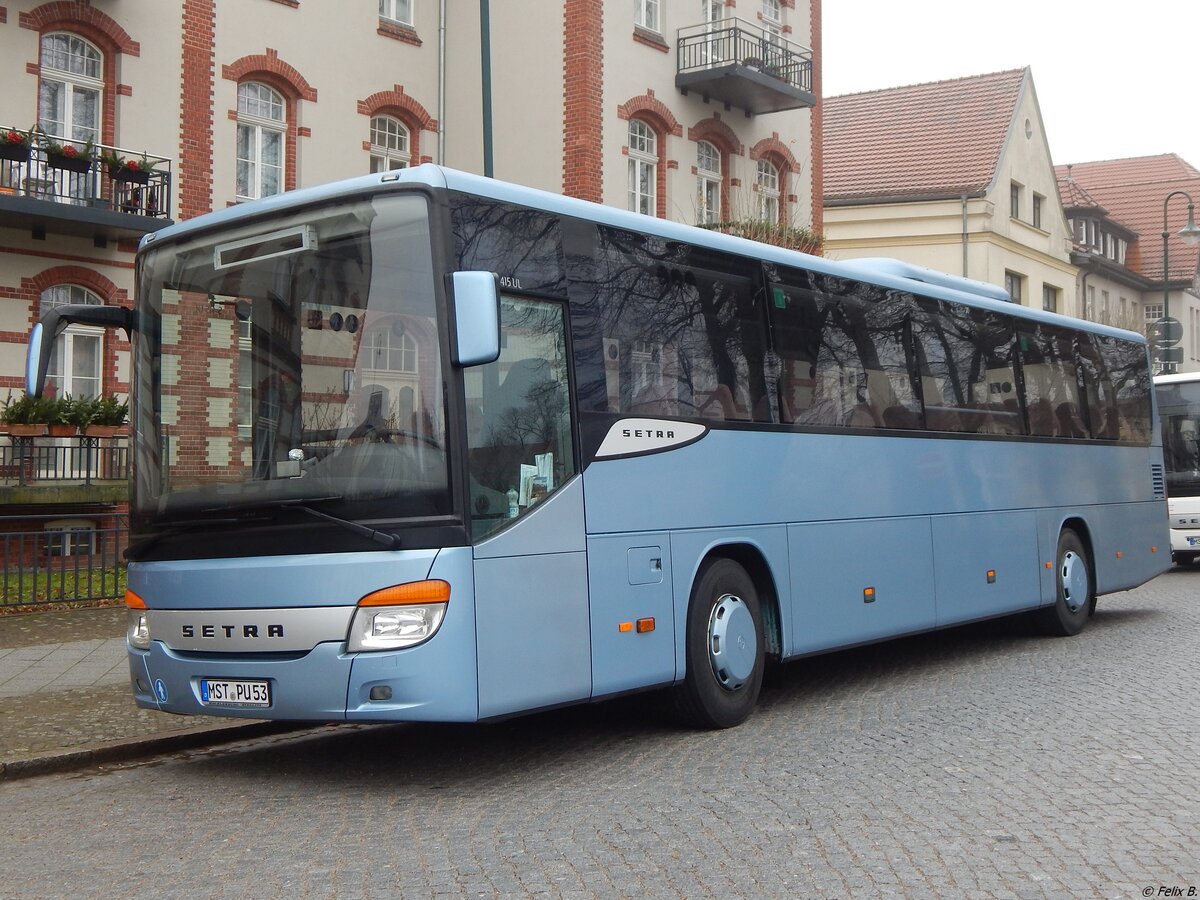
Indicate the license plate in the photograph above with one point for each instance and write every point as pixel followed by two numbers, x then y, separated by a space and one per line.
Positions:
pixel 226 692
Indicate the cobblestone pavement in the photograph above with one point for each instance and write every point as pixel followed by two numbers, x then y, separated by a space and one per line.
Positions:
pixel 980 763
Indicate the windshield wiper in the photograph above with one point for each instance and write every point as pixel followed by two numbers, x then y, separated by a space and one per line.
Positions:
pixel 390 541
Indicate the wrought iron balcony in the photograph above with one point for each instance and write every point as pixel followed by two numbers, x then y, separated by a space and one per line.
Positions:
pixel 744 66
pixel 50 193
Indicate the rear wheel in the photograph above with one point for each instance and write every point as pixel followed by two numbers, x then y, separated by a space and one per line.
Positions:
pixel 725 651
pixel 1075 589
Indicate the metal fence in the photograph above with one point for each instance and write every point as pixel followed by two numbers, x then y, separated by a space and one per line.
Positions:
pixel 83 460
pixel 66 560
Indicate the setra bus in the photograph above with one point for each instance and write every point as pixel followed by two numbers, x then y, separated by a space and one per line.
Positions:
pixel 1179 409
pixel 428 446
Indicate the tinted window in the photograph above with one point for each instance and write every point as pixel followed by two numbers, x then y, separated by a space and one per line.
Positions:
pixel 1116 388
pixel 841 349
pixel 1052 398
pixel 682 331
pixel 967 375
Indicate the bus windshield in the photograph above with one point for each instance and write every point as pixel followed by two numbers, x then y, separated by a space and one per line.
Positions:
pixel 1179 410
pixel 292 362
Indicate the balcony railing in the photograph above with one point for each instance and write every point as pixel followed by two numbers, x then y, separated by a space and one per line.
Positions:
pixel 35 173
pixel 742 65
pixel 28 461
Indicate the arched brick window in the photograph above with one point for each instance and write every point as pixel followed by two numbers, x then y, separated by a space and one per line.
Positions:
pixel 396 123
pixel 708 183
pixel 70 94
pixel 643 167
pixel 261 141
pixel 268 94
pixel 774 168
pixel 390 144
pixel 716 145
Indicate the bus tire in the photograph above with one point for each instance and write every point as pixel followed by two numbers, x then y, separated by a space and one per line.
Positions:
pixel 1075 589
pixel 725 648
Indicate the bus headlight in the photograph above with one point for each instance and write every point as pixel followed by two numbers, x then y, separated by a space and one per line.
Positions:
pixel 399 616
pixel 138 629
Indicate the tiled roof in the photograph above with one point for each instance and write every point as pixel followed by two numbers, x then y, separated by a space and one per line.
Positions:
pixel 1133 192
pixel 938 139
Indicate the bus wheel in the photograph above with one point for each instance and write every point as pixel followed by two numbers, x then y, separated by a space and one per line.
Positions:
pixel 1074 587
pixel 725 654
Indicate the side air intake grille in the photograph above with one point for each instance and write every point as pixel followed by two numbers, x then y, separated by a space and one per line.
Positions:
pixel 1158 482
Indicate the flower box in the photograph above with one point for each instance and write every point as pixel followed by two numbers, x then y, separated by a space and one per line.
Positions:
pixel 61 430
pixel 24 431
pixel 104 431
pixel 69 163
pixel 14 152
pixel 127 175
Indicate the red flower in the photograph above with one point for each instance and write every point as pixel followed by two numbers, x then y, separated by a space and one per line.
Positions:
pixel 132 165
pixel 15 137
pixel 70 151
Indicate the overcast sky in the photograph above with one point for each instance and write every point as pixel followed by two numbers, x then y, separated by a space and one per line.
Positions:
pixel 1113 80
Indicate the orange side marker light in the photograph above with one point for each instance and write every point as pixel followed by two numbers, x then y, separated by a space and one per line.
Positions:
pixel 625 627
pixel 645 625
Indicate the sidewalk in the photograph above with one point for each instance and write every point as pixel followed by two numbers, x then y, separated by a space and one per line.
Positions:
pixel 65 700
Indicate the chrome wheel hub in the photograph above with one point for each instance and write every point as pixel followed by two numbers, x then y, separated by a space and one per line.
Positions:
pixel 732 642
pixel 1073 578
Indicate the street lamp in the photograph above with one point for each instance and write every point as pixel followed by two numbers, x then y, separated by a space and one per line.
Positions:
pixel 1189 234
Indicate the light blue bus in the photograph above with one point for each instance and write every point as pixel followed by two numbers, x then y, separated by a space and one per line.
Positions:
pixel 424 446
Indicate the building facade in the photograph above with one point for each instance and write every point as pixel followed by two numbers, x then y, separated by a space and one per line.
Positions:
pixel 954 175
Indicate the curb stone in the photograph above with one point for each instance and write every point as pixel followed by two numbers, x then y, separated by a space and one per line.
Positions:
pixel 139 748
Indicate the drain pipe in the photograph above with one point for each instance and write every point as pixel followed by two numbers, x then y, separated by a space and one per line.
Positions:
pixel 441 140
pixel 964 235
pixel 485 60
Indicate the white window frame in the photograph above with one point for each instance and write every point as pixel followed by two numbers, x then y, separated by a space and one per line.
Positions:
pixel 767 180
pixel 83 74
pixel 772 18
pixel 646 15
pixel 259 118
pixel 69 537
pixel 708 183
pixel 391 144
pixel 64 357
pixel 643 168
pixel 399 11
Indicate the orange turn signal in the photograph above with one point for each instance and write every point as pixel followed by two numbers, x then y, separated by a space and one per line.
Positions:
pixel 133 601
pixel 432 591
pixel 645 625
pixel 625 627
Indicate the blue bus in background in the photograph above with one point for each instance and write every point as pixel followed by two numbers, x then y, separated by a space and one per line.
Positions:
pixel 424 446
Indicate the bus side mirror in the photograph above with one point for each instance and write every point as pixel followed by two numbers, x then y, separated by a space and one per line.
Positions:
pixel 476 318
pixel 53 323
